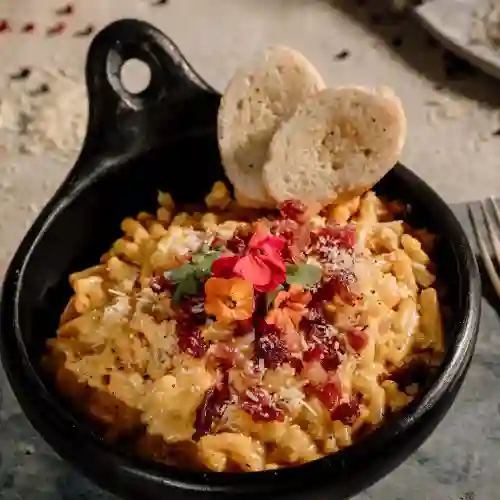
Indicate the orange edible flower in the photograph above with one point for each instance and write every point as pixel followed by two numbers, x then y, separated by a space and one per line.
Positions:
pixel 228 299
pixel 289 309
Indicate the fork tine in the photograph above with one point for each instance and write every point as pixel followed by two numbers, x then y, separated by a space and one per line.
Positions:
pixel 485 254
pixel 491 229
pixel 495 208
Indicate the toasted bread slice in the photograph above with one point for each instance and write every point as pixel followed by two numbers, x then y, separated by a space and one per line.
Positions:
pixel 337 145
pixel 257 100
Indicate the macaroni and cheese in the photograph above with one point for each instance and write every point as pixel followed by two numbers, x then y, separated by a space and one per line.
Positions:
pixel 238 340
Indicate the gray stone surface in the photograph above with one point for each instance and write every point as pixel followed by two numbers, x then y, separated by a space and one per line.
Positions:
pixel 460 461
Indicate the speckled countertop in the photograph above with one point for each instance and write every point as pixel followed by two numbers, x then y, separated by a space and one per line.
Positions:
pixel 453 143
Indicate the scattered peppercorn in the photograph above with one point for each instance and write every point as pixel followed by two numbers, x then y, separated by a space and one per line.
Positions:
pixel 41 89
pixel 87 31
pixel 343 54
pixel 22 74
pixel 57 29
pixel 157 3
pixel 496 132
pixel 5 26
pixel 28 28
pixel 67 10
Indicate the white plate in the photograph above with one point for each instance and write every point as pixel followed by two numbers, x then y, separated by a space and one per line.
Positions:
pixel 450 21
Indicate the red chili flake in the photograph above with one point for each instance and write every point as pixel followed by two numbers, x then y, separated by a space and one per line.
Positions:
pixel 292 209
pixel 211 408
pixel 57 29
pixel 66 10
pixel 28 28
pixel 87 31
pixel 260 406
pixel 347 413
pixel 5 26
pixel 357 339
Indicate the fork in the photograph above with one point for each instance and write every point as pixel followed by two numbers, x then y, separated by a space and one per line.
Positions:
pixel 492 229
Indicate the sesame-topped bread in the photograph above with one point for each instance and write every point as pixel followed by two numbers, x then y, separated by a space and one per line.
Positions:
pixel 338 144
pixel 257 100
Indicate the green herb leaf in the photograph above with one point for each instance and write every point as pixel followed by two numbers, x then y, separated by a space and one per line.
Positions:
pixel 305 275
pixel 204 265
pixel 270 296
pixel 188 286
pixel 188 277
pixel 181 273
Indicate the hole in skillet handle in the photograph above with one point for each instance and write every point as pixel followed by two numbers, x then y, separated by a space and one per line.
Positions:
pixel 122 125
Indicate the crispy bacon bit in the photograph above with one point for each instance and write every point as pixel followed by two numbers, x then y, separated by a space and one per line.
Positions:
pixel 297 237
pixel 269 346
pixel 335 236
pixel 190 340
pixel 211 408
pixel 226 355
pixel 292 209
pixel 357 339
pixel 259 405
pixel 339 285
pixel 329 394
pixel 324 344
pixel 239 242
pixel 347 413
pixel 160 284
pixel 189 336
pixel 328 357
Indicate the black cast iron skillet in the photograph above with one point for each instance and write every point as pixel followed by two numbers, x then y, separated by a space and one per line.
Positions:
pixel 165 138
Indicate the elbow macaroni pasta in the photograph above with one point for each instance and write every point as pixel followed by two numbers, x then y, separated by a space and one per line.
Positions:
pixel 117 354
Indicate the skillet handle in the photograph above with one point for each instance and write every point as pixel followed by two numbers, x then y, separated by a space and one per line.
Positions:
pixel 123 125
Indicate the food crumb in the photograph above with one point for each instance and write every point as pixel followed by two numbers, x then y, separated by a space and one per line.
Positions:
pixel 22 74
pixel 342 55
pixel 57 29
pixel 28 28
pixel 5 26
pixel 66 10
pixel 87 31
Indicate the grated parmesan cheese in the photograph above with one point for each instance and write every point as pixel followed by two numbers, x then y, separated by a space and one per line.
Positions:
pixel 34 121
